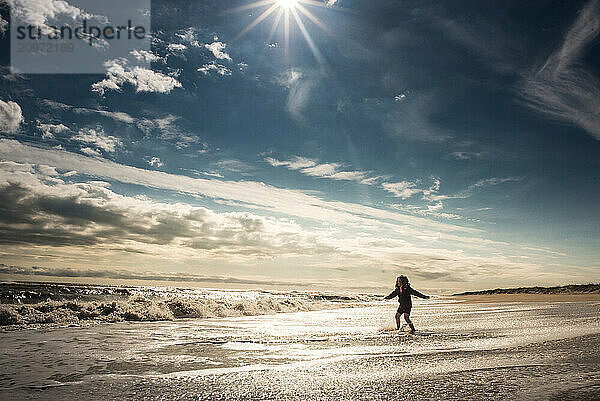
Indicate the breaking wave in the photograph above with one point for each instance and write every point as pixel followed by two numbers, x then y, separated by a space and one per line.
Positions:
pixel 64 304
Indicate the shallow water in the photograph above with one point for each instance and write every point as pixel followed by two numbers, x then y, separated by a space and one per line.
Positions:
pixel 460 351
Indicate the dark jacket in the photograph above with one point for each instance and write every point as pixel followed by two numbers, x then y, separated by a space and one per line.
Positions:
pixel 404 297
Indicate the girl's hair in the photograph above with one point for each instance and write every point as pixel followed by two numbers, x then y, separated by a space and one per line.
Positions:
pixel 403 279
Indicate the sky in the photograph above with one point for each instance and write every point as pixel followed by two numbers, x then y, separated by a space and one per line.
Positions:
pixel 455 142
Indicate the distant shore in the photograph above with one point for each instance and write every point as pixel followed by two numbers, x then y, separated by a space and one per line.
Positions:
pixel 506 298
pixel 567 293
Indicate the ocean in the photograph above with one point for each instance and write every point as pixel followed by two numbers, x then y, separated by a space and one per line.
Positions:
pixel 63 342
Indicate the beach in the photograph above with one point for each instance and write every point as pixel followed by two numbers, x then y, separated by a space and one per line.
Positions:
pixel 461 351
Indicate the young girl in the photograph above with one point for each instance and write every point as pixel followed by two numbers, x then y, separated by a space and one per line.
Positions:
pixel 404 291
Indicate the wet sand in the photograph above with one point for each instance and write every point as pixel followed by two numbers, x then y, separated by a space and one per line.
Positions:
pixel 508 298
pixel 565 370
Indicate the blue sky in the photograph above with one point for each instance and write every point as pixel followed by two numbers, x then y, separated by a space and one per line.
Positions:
pixel 457 143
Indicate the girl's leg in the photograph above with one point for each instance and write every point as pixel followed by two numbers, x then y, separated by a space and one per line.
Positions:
pixel 397 321
pixel 407 318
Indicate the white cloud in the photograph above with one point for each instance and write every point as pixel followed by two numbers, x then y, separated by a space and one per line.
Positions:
pixel 551 252
pixel 402 189
pixel 145 56
pixel 169 131
pixel 11 117
pixel 463 155
pixel 105 219
pixel 115 115
pixel 492 181
pixel 313 169
pixel 433 210
pixel 289 78
pixel 90 152
pixel 119 72
pixel 49 130
pixel 211 174
pixel 407 189
pixel 563 88
pixel 217 50
pixel 204 173
pixel 255 195
pixel 218 68
pixel 348 176
pixel 431 194
pixel 176 47
pixel 98 139
pixel 321 170
pixel 188 35
pixel 300 86
pixel 296 163
pixel 234 165
pixel 166 123
pixel 373 180
pixel 155 162
pixel 444 215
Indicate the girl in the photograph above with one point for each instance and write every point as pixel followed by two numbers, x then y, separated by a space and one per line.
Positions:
pixel 404 291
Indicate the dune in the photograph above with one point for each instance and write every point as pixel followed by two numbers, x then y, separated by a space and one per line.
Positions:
pixel 566 293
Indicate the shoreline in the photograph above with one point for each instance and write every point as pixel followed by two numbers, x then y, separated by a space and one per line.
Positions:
pixel 507 298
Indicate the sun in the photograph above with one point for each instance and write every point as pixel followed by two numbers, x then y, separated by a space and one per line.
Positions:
pixel 286 12
pixel 287 4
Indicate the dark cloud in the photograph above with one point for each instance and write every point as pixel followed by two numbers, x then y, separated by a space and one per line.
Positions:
pixel 39 209
pixel 20 205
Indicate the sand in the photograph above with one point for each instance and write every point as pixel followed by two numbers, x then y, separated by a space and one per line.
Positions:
pixel 504 298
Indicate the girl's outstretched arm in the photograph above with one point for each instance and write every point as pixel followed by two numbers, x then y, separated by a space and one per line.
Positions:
pixel 418 294
pixel 393 294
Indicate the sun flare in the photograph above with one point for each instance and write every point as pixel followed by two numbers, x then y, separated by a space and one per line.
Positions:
pixel 285 13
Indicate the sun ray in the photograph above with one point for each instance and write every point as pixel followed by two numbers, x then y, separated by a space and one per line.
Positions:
pixel 257 21
pixel 314 3
pixel 250 6
pixel 307 37
pixel 286 33
pixel 288 10
pixel 275 25
pixel 314 19
pixel 324 5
